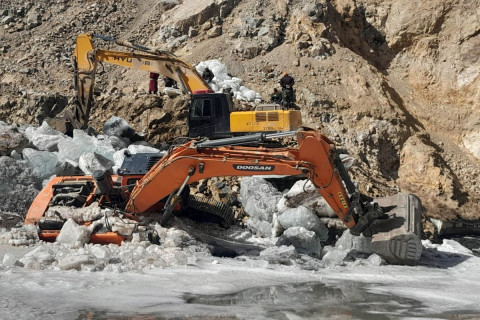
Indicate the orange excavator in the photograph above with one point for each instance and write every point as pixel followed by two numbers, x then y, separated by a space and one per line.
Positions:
pixel 157 185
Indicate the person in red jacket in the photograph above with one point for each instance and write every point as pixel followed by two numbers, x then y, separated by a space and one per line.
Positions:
pixel 153 84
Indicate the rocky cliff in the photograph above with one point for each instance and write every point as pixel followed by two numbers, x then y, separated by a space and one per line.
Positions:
pixel 396 83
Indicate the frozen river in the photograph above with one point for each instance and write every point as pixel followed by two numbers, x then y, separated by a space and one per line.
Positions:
pixel 445 285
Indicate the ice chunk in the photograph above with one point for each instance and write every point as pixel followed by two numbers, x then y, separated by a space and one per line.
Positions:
pixel 177 238
pixel 122 226
pixel 9 260
pixel 279 255
pixel 101 252
pixel 75 261
pixel 92 161
pixel 42 162
pixel 350 242
pixel 79 215
pixel 303 240
pixel 259 228
pixel 302 217
pixel 73 235
pixel 136 148
pixel 375 260
pixel 26 235
pixel 259 198
pixel 74 148
pixel 44 137
pixel 224 82
pixel 335 257
pixel 304 193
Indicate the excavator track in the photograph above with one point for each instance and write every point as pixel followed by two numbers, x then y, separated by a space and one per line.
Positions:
pixel 220 210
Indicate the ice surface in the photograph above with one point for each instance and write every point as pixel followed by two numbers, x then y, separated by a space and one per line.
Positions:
pixel 92 161
pixel 305 241
pixel 302 217
pixel 224 82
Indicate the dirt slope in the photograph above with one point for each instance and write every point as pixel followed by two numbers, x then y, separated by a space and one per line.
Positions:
pixel 396 83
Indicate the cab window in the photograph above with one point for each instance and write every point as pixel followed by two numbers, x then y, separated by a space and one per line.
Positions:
pixel 201 108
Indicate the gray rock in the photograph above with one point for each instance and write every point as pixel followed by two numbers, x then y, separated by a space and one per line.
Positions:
pixel 214 32
pixel 116 126
pixel 302 217
pixel 279 255
pixel 192 32
pixel 67 167
pixel 11 139
pixel 8 19
pixel 305 241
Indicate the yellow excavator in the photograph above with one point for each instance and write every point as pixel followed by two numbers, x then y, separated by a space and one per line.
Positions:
pixel 210 114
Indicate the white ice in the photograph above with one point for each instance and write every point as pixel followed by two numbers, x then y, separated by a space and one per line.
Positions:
pixel 223 81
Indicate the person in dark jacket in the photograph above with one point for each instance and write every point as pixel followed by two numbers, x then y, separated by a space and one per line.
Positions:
pixel 276 96
pixel 208 75
pixel 287 81
pixel 153 84
pixel 288 93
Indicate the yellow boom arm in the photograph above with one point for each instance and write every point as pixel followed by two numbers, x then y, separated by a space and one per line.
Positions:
pixel 86 57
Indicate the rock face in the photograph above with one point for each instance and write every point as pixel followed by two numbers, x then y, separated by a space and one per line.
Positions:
pixel 370 75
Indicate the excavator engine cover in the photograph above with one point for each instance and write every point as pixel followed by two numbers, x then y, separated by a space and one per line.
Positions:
pixel 398 238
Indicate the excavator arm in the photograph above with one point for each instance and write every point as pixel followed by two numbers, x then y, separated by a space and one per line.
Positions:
pixel 87 57
pixel 196 161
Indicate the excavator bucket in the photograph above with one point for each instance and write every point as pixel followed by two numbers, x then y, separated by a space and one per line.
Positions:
pixel 398 238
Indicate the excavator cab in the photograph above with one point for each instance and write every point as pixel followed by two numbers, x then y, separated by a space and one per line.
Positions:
pixel 209 115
